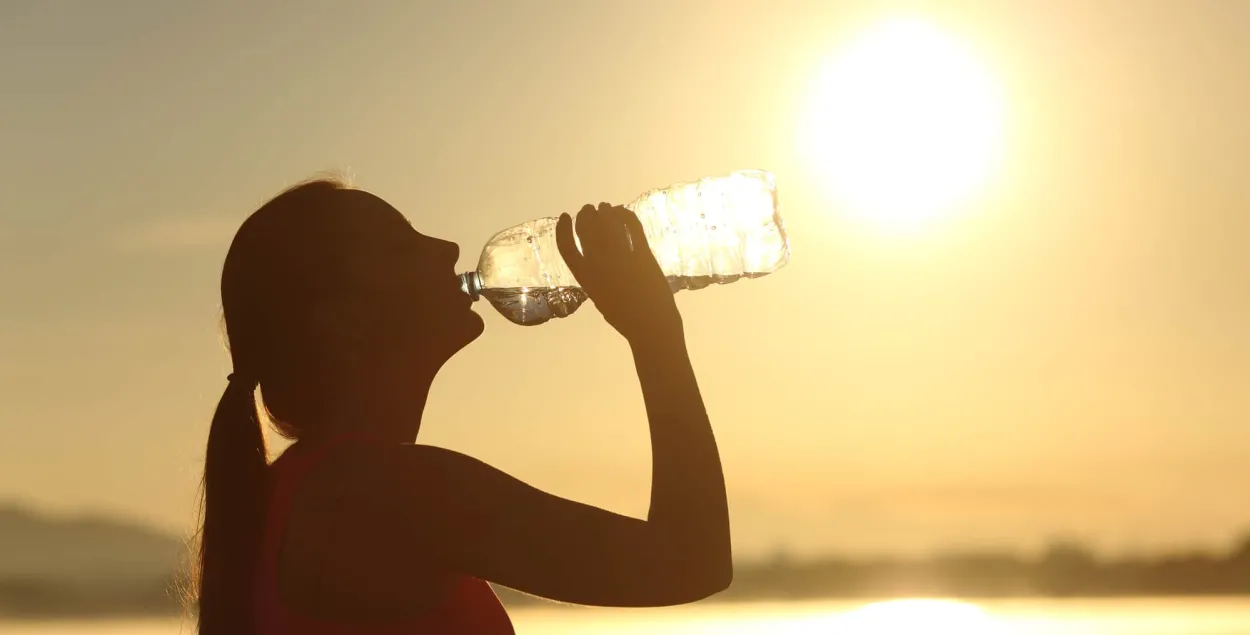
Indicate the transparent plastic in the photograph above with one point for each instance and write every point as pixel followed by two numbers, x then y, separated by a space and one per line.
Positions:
pixel 712 231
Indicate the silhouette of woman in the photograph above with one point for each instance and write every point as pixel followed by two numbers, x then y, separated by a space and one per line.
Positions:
pixel 342 314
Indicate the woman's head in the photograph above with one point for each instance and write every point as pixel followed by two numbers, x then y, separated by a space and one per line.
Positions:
pixel 327 289
pixel 332 302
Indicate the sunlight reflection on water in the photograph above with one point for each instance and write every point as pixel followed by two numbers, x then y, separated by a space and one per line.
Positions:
pixel 899 617
pixel 1210 616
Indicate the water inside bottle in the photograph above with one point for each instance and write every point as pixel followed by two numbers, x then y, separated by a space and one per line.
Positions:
pixel 529 306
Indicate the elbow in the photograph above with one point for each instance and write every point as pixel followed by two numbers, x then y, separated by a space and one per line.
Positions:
pixel 716 583
pixel 718 567
pixel 726 577
pixel 720 576
pixel 687 571
pixel 721 567
pixel 707 576
pixel 702 587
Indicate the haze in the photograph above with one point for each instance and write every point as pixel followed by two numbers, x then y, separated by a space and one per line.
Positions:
pixel 1068 354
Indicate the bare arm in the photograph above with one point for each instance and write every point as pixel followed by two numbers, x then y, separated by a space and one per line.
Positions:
pixel 688 499
pixel 475 519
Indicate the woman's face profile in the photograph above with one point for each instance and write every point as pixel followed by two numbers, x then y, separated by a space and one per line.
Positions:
pixel 406 282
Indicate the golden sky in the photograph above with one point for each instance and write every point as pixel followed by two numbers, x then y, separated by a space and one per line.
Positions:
pixel 1066 352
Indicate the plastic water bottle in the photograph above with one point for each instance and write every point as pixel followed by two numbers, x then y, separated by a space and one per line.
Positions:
pixel 712 231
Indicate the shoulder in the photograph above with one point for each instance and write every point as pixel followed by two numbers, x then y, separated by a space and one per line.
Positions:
pixel 353 539
pixel 372 479
pixel 391 464
pixel 368 500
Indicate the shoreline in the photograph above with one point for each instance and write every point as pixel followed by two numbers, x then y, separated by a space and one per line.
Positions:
pixel 754 602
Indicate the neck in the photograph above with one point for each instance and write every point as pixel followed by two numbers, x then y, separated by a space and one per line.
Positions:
pixel 387 406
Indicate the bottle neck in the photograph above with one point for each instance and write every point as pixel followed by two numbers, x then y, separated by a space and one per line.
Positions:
pixel 471 285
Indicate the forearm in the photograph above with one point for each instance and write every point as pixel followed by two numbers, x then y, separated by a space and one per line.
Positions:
pixel 688 504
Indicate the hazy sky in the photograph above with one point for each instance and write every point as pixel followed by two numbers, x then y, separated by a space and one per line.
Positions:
pixel 1068 354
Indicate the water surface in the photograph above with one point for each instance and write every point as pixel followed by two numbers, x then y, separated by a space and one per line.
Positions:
pixel 1206 616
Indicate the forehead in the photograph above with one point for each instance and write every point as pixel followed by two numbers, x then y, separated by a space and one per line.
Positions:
pixel 365 227
pixel 368 213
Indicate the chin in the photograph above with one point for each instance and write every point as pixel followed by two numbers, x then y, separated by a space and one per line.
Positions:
pixel 449 335
pixel 475 326
pixel 464 330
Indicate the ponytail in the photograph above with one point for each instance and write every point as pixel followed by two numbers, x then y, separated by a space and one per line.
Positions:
pixel 262 279
pixel 232 513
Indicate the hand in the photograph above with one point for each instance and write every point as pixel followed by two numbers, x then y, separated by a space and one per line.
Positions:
pixel 616 268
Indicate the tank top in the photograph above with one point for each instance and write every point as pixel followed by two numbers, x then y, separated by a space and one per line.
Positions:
pixel 470 608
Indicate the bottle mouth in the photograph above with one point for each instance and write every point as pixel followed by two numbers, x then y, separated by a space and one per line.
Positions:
pixel 471 285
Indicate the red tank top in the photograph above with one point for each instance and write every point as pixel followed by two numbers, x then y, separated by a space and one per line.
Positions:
pixel 471 608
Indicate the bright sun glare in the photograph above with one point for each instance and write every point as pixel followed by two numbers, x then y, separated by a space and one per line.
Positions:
pixel 905 125
pixel 906 617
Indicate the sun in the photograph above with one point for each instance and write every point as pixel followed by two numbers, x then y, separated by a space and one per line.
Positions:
pixel 904 125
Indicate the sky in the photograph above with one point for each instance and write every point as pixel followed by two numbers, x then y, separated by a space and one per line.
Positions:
pixel 1063 354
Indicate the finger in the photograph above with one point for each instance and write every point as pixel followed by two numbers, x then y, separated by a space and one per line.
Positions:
pixel 567 244
pixel 637 233
pixel 642 254
pixel 588 227
pixel 613 233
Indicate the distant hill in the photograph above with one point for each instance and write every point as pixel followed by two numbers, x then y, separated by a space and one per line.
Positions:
pixel 83 549
pixel 85 566
pixel 57 566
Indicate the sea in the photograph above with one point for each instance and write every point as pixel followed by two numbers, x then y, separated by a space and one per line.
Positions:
pixel 1134 616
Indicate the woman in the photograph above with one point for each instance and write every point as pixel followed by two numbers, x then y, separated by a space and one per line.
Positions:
pixel 342 314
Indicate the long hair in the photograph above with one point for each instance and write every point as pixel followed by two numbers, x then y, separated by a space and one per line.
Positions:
pixel 259 288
